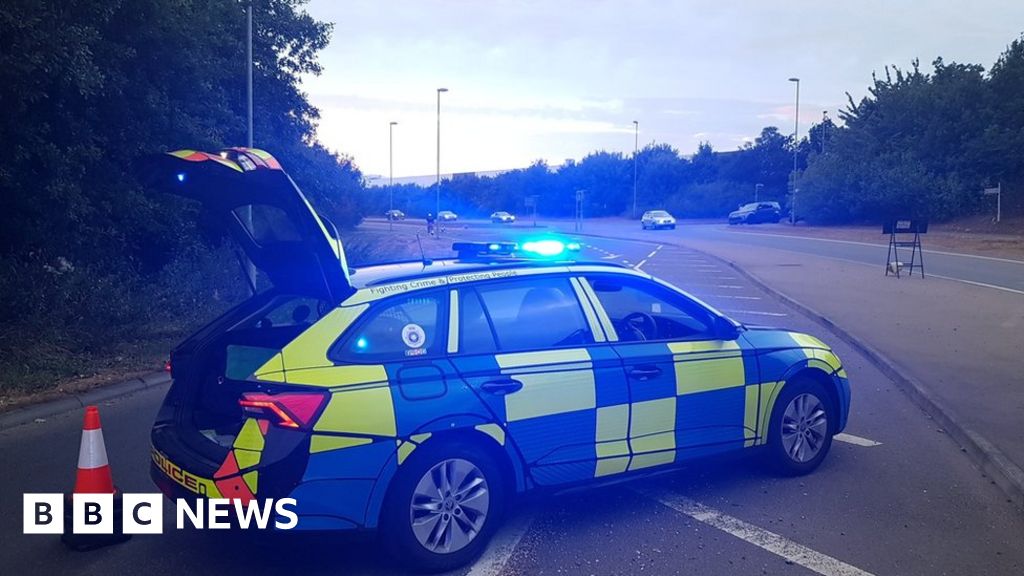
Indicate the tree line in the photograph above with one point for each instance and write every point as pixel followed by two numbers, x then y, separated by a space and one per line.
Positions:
pixel 87 257
pixel 918 144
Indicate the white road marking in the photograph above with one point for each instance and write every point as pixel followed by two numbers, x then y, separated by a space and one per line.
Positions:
pixel 755 312
pixel 625 261
pixel 764 539
pixel 929 251
pixel 982 284
pixel 729 286
pixel 735 297
pixel 610 255
pixel 851 439
pixel 642 262
pixel 502 545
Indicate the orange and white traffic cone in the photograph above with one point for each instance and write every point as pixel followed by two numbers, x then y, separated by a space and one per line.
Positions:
pixel 93 477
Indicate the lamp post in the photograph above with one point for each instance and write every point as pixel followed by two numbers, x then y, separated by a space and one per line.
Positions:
pixel 391 172
pixel 248 69
pixel 636 148
pixel 796 133
pixel 437 207
pixel 757 188
pixel 824 130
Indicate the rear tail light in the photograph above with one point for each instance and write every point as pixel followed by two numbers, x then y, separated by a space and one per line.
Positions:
pixel 289 410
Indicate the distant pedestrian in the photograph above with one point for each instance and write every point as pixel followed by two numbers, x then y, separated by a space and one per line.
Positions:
pixel 430 223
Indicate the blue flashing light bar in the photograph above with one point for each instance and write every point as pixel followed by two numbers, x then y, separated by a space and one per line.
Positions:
pixel 542 248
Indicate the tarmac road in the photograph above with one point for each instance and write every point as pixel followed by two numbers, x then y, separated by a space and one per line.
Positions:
pixel 895 496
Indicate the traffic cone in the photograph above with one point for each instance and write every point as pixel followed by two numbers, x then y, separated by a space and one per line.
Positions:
pixel 93 477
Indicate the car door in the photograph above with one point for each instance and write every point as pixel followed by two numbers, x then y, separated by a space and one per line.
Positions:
pixel 534 355
pixel 687 385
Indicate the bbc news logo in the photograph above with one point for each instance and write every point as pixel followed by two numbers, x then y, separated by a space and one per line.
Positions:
pixel 144 513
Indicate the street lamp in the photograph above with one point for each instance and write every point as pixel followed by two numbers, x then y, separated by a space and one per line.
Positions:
pixel 824 130
pixel 636 148
pixel 796 133
pixel 757 188
pixel 391 172
pixel 437 207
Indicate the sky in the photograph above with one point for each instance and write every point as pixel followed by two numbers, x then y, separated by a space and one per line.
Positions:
pixel 557 79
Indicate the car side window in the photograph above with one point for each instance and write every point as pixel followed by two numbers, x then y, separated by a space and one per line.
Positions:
pixel 476 336
pixel 641 310
pixel 395 330
pixel 535 314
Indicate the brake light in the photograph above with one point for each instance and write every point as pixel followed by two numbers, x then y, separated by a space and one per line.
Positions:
pixel 289 410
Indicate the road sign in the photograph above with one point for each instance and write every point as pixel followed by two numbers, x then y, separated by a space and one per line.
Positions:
pixel 998 192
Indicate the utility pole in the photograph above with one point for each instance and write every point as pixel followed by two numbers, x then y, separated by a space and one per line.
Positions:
pixel 391 172
pixel 796 147
pixel 636 149
pixel 437 206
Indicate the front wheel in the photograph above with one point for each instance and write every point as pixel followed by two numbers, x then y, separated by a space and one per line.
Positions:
pixel 444 505
pixel 801 428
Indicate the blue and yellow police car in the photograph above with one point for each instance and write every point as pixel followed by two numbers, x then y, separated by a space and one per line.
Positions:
pixel 417 398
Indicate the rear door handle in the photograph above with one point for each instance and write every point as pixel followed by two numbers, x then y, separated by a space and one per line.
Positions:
pixel 644 372
pixel 502 386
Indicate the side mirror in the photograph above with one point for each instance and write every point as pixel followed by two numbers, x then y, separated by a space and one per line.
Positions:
pixel 725 329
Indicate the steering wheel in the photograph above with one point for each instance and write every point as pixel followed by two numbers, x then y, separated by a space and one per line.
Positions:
pixel 642 323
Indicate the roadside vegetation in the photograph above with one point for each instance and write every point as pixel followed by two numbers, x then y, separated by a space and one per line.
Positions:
pixel 94 271
pixel 920 144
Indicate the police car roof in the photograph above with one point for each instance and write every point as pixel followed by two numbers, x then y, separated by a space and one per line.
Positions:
pixel 384 273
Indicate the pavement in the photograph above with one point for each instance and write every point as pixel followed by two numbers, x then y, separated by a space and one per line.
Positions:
pixel 897 494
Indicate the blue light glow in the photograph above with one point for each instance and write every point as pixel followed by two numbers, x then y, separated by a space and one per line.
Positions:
pixel 573 246
pixel 362 343
pixel 494 247
pixel 181 176
pixel 544 247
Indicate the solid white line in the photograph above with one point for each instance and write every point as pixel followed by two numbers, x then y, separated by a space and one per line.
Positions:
pixel 764 539
pixel 994 258
pixel 851 439
pixel 729 286
pixel 736 297
pixel 982 284
pixel 778 314
pixel 642 262
pixel 502 545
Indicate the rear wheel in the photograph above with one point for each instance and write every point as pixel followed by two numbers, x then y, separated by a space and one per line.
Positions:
pixel 801 428
pixel 443 507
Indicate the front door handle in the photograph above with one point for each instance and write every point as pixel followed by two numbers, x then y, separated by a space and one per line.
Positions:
pixel 644 372
pixel 502 386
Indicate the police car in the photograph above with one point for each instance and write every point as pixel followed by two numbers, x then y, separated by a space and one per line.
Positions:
pixel 417 398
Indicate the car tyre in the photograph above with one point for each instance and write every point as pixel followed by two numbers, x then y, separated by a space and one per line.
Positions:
pixel 801 427
pixel 423 473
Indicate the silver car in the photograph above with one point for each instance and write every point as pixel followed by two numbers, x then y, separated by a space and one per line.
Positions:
pixel 654 219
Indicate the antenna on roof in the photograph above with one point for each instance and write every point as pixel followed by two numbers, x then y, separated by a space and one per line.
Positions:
pixel 426 261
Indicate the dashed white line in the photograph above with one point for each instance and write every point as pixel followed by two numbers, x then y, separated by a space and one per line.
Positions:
pixel 764 539
pixel 734 297
pixel 642 262
pixel 851 439
pixel 502 545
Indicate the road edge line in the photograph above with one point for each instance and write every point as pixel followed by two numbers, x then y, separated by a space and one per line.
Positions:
pixel 50 408
pixel 990 460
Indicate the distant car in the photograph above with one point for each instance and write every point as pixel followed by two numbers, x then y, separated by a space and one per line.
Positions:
pixel 502 217
pixel 657 219
pixel 756 213
pixel 447 216
pixel 394 215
